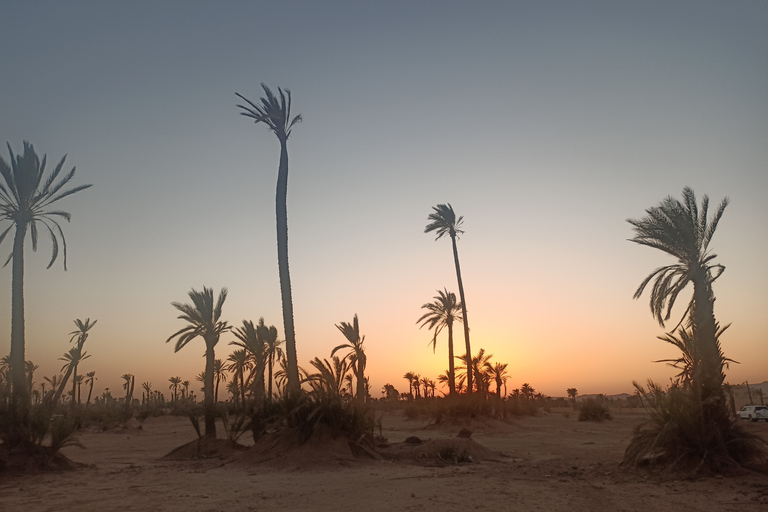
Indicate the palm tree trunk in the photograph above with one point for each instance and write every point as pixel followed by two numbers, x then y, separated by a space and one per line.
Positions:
pixel 451 365
pixel 360 374
pixel 709 360
pixel 208 406
pixel 269 383
pixel 282 263
pixel 20 392
pixel 464 314
pixel 90 391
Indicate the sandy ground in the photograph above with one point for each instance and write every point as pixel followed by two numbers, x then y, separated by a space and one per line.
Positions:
pixel 548 463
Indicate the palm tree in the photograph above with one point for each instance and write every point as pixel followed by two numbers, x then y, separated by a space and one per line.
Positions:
pixel 29 370
pixel 239 362
pixel 356 353
pixel 218 376
pixel 175 383
pixel 204 318
pixel 683 231
pixel 72 359
pixel 498 372
pixel 444 222
pixel 55 382
pixel 90 377
pixel 254 357
pixel 573 392
pixel 147 387
pixel 78 380
pixel 80 335
pixel 475 366
pixel 276 114
pixel 527 391
pixel 268 335
pixel 185 386
pixel 442 313
pixel 329 380
pixel 27 206
pixel 128 387
pixel 410 377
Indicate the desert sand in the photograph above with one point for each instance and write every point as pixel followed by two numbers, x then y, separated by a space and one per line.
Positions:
pixel 550 462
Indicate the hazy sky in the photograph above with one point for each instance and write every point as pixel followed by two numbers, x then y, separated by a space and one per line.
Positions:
pixel 545 124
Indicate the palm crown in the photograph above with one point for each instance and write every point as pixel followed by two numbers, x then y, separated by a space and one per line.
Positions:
pixel 23 202
pixel 444 221
pixel 203 317
pixel 683 231
pixel 440 313
pixel 276 114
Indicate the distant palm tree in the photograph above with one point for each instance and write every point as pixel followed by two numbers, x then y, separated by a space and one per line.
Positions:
pixel 498 372
pixel 444 222
pixel 273 352
pixel 185 386
pixel 425 382
pixel 239 362
pixel 128 387
pixel 29 370
pixel 72 359
pixel 204 319
pixel 174 387
pixel 55 382
pixel 253 357
pixel 233 387
pixel 218 376
pixel 90 378
pixel 683 231
pixel 147 387
pixel 26 205
pixel 475 366
pixel 573 392
pixel 276 114
pixel 356 353
pixel 527 391
pixel 79 336
pixel 442 313
pixel 411 377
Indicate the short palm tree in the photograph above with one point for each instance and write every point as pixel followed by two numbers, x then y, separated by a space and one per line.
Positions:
pixel 441 314
pixel 682 230
pixel 25 201
pixel 239 361
pixel 128 385
pixel 253 358
pixel 498 372
pixel 79 336
pixel 276 114
pixel 204 320
pixel 72 359
pixel 147 387
pixel 356 353
pixel 174 387
pixel 444 222
pixel 474 365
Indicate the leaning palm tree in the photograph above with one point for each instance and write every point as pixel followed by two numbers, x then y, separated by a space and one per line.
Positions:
pixel 276 114
pixel 356 353
pixel 72 359
pixel 442 313
pixel 681 230
pixel 79 336
pixel 130 380
pixel 444 222
pixel 204 319
pixel 90 378
pixel 25 201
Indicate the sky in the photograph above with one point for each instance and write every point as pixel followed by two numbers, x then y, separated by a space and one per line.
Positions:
pixel 544 124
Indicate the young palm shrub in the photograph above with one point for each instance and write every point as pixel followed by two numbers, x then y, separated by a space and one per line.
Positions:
pixel 676 436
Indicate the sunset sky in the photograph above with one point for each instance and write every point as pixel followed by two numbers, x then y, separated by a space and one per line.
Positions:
pixel 545 124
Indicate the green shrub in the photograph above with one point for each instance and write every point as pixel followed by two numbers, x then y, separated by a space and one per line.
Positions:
pixel 594 410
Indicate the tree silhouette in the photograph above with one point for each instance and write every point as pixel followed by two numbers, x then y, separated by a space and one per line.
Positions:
pixel 174 387
pixel 683 231
pixel 356 353
pixel 204 319
pixel 273 352
pixel 276 114
pixel 25 201
pixel 498 372
pixel 442 313
pixel 218 376
pixel 254 358
pixel 90 378
pixel 444 222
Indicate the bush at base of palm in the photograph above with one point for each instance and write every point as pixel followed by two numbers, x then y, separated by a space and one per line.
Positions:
pixel 594 410
pixel 687 433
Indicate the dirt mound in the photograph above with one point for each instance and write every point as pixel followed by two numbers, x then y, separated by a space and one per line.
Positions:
pixel 475 425
pixel 204 448
pixel 439 451
pixel 33 460
pixel 281 451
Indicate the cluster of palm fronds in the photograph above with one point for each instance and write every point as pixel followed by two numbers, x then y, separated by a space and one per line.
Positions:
pixel 684 431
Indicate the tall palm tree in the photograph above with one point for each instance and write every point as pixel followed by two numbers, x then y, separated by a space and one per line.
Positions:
pixel 174 387
pixel 90 378
pixel 273 352
pixel 444 222
pixel 276 114
pixel 26 205
pixel 356 353
pixel 682 230
pixel 204 319
pixel 441 314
